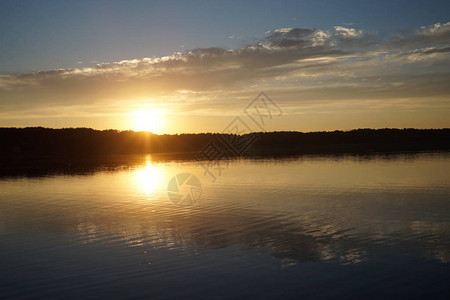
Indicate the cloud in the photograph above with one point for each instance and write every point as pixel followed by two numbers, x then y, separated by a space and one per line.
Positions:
pixel 351 33
pixel 296 37
pixel 425 36
pixel 326 63
pixel 433 53
pixel 439 33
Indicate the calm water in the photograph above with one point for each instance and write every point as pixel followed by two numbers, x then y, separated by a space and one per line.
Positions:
pixel 307 227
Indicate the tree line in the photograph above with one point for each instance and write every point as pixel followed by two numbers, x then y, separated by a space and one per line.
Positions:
pixel 37 141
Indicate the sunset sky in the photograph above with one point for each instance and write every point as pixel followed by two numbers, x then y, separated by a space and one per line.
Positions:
pixel 192 66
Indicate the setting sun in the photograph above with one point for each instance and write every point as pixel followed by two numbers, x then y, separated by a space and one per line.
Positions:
pixel 224 149
pixel 148 120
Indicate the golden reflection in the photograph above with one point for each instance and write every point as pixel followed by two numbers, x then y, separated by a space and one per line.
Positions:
pixel 149 177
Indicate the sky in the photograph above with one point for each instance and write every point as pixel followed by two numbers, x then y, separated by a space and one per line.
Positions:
pixel 193 66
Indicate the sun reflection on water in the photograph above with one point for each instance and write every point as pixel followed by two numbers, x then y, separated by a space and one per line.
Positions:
pixel 150 177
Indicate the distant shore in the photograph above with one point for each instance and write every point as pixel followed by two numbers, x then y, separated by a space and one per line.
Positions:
pixel 80 142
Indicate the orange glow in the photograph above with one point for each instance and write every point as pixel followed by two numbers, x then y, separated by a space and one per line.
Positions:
pixel 148 120
pixel 149 178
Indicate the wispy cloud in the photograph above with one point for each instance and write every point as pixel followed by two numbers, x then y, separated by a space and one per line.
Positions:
pixel 300 65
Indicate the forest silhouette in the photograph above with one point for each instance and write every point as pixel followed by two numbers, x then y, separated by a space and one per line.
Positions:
pixel 38 141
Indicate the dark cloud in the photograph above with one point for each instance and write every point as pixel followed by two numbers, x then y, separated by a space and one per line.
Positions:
pixel 293 37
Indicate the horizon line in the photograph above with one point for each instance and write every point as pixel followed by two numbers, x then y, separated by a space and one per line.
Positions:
pixel 253 132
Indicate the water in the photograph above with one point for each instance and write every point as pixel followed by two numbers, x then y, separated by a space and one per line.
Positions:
pixel 306 227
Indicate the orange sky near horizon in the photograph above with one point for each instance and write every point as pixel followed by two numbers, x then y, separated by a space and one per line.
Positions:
pixel 323 79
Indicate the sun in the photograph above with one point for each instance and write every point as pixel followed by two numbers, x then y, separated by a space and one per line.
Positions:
pixel 148 120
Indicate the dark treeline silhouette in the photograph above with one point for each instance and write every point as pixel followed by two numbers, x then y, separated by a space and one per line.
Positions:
pixel 38 141
pixel 354 141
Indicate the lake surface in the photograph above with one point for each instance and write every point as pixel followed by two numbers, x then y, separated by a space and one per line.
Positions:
pixel 316 227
